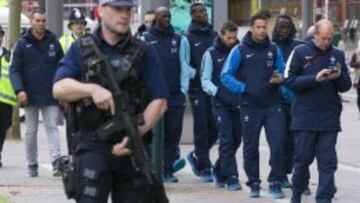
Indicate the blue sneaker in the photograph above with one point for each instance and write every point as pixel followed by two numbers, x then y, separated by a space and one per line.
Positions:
pixel 193 163
pixel 206 175
pixel 233 184
pixel 179 164
pixel 169 178
pixel 275 190
pixel 254 190
pixel 285 183
pixel 218 182
pixel 307 191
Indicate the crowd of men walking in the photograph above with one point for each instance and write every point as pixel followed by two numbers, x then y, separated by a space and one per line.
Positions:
pixel 288 87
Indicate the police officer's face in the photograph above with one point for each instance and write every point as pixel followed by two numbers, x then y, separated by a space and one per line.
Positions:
pixel 259 29
pixel 38 22
pixel 284 28
pixel 78 27
pixel 163 19
pixel 116 18
pixel 200 14
pixel 323 37
pixel 229 38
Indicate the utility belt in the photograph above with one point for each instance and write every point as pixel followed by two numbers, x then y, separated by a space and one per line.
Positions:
pixel 72 173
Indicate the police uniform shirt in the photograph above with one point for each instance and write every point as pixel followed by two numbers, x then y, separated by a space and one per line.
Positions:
pixel 149 71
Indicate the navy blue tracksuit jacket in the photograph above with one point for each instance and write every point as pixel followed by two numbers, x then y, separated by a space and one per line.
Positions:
pixel 198 40
pixel 247 71
pixel 317 106
pixel 287 97
pixel 226 110
pixel 33 65
pixel 316 115
pixel 167 45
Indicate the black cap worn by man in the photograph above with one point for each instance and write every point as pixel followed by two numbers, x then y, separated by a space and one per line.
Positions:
pixel 119 2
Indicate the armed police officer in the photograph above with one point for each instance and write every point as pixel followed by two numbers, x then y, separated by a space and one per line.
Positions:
pixel 104 164
pixel 316 72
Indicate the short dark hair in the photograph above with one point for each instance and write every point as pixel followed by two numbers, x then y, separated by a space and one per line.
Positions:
pixel 228 26
pixel 37 10
pixel 150 12
pixel 257 17
pixel 193 5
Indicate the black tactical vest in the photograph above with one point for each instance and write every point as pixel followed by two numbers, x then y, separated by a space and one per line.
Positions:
pixel 125 61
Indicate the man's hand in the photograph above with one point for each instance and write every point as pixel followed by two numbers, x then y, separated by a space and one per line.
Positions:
pixel 120 149
pixel 335 73
pixel 103 98
pixel 327 74
pixel 276 78
pixel 22 98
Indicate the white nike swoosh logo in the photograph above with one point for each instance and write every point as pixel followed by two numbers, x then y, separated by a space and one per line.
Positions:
pixel 153 42
pixel 308 57
pixel 197 44
pixel 220 60
pixel 249 55
pixel 28 45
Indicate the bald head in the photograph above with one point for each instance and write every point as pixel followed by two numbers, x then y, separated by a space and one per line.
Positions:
pixel 323 35
pixel 324 26
pixel 162 17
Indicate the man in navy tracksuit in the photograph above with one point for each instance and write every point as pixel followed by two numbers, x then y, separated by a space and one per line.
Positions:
pixel 32 68
pixel 253 70
pixel 167 44
pixel 226 107
pixel 316 72
pixel 199 38
pixel 283 36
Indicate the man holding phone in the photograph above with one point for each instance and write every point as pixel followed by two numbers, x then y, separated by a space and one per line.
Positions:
pixel 316 72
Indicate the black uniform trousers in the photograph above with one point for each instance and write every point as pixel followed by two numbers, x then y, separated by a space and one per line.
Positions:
pixel 102 173
pixel 5 122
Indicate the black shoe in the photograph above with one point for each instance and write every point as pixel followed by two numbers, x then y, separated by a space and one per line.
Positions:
pixel 295 199
pixel 22 118
pixel 307 191
pixel 169 178
pixel 33 170
pixel 56 168
pixel 254 190
pixel 0 162
pixel 275 190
